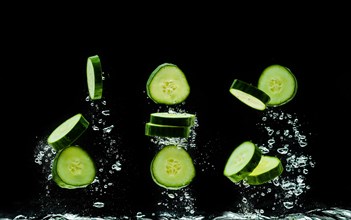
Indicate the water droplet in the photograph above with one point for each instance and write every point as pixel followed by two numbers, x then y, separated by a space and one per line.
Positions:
pixel 99 204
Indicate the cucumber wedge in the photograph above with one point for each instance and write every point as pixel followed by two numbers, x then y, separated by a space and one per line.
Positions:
pixel 279 83
pixel 68 132
pixel 168 85
pixel 94 77
pixel 73 168
pixel 249 94
pixel 242 161
pixel 176 119
pixel 167 130
pixel 172 168
pixel 269 168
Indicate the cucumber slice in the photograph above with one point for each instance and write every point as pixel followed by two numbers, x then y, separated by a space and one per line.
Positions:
pixel 269 168
pixel 242 161
pixel 249 94
pixel 94 77
pixel 73 168
pixel 172 168
pixel 68 132
pixel 168 85
pixel 176 119
pixel 167 130
pixel 279 83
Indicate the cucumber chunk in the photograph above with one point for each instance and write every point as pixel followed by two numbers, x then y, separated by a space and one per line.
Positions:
pixel 94 77
pixel 172 168
pixel 242 161
pixel 279 83
pixel 249 94
pixel 73 168
pixel 168 85
pixel 68 131
pixel 167 130
pixel 176 119
pixel 269 168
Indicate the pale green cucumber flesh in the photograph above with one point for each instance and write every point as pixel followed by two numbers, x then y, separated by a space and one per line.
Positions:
pixel 167 130
pixel 94 77
pixel 176 119
pixel 73 168
pixel 172 168
pixel 249 94
pixel 168 85
pixel 269 168
pixel 242 161
pixel 279 83
pixel 68 132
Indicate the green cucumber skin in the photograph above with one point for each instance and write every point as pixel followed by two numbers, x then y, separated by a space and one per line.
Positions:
pixel 183 121
pixel 266 177
pixel 250 89
pixel 167 131
pixel 97 77
pixel 271 103
pixel 57 179
pixel 249 167
pixel 72 135
pixel 151 78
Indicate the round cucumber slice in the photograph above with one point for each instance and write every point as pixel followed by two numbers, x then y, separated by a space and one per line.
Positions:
pixel 249 94
pixel 167 130
pixel 94 77
pixel 269 168
pixel 176 119
pixel 279 83
pixel 68 132
pixel 73 168
pixel 172 168
pixel 242 161
pixel 168 85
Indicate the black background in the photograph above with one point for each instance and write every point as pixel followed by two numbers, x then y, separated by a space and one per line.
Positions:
pixel 43 82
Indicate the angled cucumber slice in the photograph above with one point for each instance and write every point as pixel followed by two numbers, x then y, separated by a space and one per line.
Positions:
pixel 73 168
pixel 249 94
pixel 168 85
pixel 68 132
pixel 279 83
pixel 242 161
pixel 268 168
pixel 172 168
pixel 167 130
pixel 177 119
pixel 94 77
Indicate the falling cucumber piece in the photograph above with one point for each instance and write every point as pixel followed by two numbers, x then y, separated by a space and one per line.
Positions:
pixel 279 83
pixel 68 132
pixel 73 168
pixel 168 85
pixel 172 168
pixel 176 119
pixel 242 161
pixel 249 94
pixel 94 77
pixel 269 168
pixel 167 130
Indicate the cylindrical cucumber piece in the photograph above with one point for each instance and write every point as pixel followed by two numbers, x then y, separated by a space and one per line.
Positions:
pixel 167 130
pixel 176 119
pixel 94 77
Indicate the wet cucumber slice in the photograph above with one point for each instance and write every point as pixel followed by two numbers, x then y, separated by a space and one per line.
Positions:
pixel 73 168
pixel 68 132
pixel 94 77
pixel 249 94
pixel 172 168
pixel 242 161
pixel 167 130
pixel 176 119
pixel 279 83
pixel 269 168
pixel 168 85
